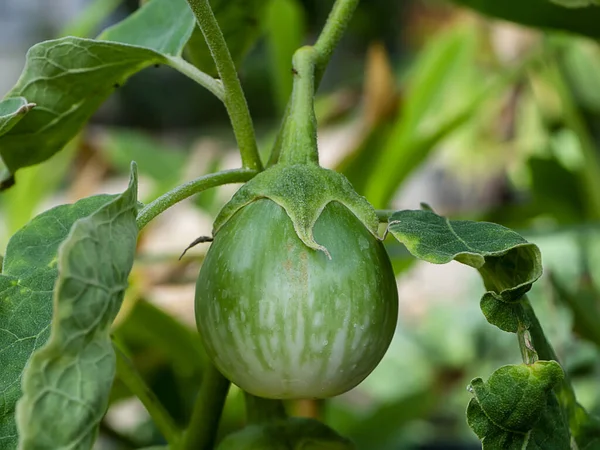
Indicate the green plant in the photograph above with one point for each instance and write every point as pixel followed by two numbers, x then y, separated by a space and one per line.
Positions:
pixel 295 242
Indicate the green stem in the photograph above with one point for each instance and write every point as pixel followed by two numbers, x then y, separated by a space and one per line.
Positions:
pixel 574 120
pixel 299 139
pixel 332 33
pixel 328 40
pixel 260 410
pixel 134 382
pixel 546 352
pixel 165 201
pixel 235 101
pixel 203 79
pixel 202 429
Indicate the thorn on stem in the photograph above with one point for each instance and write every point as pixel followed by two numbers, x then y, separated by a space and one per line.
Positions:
pixel 200 240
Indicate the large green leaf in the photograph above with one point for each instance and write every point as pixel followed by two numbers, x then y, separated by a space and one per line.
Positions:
pixel 516 408
pixel 508 264
pixel 88 22
pixel 542 14
pixel 161 25
pixel 67 382
pixel 239 21
pixel 28 276
pixel 69 78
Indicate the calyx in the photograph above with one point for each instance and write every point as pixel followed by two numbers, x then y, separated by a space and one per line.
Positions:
pixel 303 191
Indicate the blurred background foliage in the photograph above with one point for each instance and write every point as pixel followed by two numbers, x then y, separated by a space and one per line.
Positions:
pixel 424 101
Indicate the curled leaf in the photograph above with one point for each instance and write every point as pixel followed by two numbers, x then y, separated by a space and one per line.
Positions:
pixel 508 264
pixel 67 382
pixel 303 191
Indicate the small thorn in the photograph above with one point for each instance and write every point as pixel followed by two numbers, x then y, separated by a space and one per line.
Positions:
pixel 200 240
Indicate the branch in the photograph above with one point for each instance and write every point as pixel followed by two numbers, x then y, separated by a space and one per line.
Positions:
pixel 165 201
pixel 235 101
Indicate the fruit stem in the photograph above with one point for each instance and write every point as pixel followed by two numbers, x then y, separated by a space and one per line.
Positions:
pixel 299 142
pixel 328 40
pixel 202 429
pixel 261 410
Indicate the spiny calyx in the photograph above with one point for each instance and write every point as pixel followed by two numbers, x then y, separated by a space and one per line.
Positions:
pixel 303 191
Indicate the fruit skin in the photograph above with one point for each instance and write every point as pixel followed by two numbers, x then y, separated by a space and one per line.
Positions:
pixel 290 434
pixel 280 319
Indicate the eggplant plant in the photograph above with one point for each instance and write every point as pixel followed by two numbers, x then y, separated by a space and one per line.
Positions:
pixel 296 298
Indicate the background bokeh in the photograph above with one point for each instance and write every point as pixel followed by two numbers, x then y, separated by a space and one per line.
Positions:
pixel 423 102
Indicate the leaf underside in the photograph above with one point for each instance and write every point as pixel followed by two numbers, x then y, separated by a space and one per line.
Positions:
pixel 29 272
pixel 67 382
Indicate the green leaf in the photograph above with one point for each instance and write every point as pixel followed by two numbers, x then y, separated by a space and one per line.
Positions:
pixel 12 110
pixel 541 14
pixel 517 408
pixel 67 382
pixel 239 21
pixel 69 78
pixel 89 20
pixel 164 26
pixel 28 276
pixel 508 264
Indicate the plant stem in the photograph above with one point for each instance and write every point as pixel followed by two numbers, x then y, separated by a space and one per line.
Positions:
pixel 299 141
pixel 134 382
pixel 202 429
pixel 165 201
pixel 234 100
pixel 203 79
pixel 328 40
pixel 546 352
pixel 332 33
pixel 260 410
